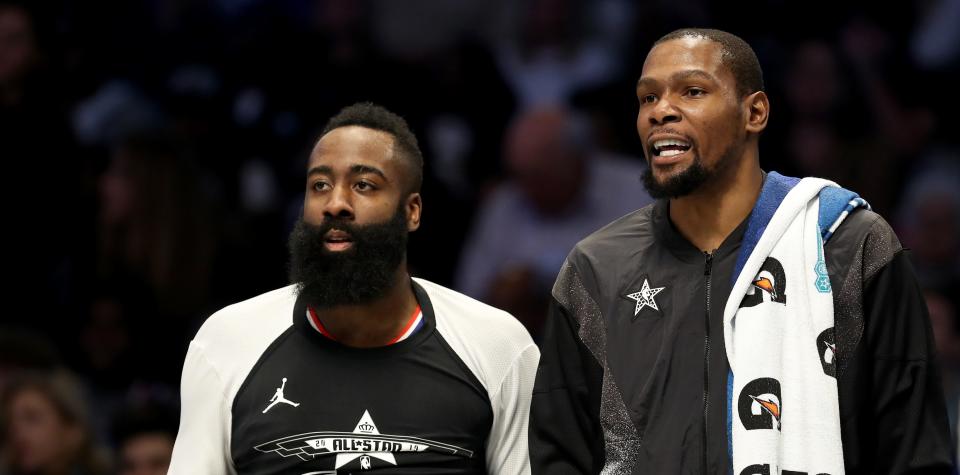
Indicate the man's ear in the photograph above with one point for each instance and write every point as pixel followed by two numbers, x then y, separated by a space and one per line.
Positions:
pixel 414 206
pixel 758 111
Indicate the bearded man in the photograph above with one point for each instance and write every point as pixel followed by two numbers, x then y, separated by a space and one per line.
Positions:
pixel 746 322
pixel 357 366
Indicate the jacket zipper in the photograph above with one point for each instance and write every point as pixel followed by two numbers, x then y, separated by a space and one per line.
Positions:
pixel 706 363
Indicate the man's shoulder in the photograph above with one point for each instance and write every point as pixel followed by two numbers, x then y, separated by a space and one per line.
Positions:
pixel 608 241
pixel 866 234
pixel 865 227
pixel 233 339
pixel 487 339
pixel 863 221
pixel 246 319
pixel 452 307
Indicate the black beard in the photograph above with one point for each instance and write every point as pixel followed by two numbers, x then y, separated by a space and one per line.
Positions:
pixel 676 186
pixel 688 180
pixel 361 274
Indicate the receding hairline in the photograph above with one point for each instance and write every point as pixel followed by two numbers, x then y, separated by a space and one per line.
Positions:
pixel 391 138
pixel 394 151
pixel 694 34
pixel 376 117
pixel 736 55
pixel 724 54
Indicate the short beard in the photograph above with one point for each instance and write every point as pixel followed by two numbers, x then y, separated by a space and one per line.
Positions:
pixel 688 180
pixel 362 274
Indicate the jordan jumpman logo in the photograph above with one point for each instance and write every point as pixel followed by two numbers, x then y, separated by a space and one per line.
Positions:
pixel 278 398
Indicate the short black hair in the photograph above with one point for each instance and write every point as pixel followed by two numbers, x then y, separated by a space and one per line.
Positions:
pixel 736 54
pixel 376 117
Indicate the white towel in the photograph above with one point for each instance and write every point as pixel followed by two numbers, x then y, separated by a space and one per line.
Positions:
pixel 778 330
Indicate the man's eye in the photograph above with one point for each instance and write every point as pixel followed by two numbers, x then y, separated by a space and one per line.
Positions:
pixel 695 92
pixel 320 186
pixel 363 186
pixel 647 98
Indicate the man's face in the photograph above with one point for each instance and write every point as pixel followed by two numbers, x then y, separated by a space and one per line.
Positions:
pixel 17 48
pixel 146 454
pixel 690 120
pixel 542 161
pixel 354 175
pixel 357 212
pixel 38 437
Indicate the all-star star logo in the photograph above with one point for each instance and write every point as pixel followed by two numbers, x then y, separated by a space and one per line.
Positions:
pixel 366 426
pixel 645 297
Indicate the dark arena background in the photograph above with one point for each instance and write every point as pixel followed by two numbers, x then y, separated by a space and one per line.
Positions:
pixel 153 156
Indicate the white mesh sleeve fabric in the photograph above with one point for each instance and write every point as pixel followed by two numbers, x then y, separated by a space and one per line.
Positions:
pixel 507 450
pixel 500 353
pixel 202 440
pixel 221 355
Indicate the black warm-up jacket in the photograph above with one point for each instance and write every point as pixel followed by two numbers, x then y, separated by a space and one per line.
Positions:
pixel 627 391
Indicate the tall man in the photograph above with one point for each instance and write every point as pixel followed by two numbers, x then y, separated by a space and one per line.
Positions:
pixel 705 334
pixel 357 366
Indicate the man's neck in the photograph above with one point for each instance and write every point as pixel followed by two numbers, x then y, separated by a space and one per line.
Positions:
pixel 376 323
pixel 707 216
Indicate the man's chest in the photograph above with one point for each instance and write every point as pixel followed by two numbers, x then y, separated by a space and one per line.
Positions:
pixel 662 320
pixel 309 411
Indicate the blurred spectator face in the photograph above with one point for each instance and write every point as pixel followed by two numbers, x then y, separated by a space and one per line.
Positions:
pixel 41 440
pixel 814 81
pixel 146 454
pixel 338 16
pixel 943 320
pixel 548 20
pixel 105 338
pixel 17 47
pixel 543 161
pixel 116 189
pixel 937 237
pixel 812 146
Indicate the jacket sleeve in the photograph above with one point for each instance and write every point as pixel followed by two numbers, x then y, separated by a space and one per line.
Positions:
pixel 507 452
pixel 202 444
pixel 565 432
pixel 908 410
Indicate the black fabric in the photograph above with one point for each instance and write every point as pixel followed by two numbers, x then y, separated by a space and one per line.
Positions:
pixel 892 412
pixel 416 392
pixel 570 435
pixel 893 416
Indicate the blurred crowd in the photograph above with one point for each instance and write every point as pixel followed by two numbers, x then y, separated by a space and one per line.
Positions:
pixel 155 156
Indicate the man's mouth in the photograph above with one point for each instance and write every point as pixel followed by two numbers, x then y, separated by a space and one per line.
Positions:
pixel 336 240
pixel 667 148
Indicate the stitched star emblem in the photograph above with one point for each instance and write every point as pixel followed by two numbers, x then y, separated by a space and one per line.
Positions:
pixel 645 296
pixel 366 426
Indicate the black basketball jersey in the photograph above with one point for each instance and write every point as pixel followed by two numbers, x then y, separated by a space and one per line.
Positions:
pixel 264 392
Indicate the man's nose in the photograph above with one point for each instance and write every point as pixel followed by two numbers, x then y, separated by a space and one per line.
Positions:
pixel 339 204
pixel 663 113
